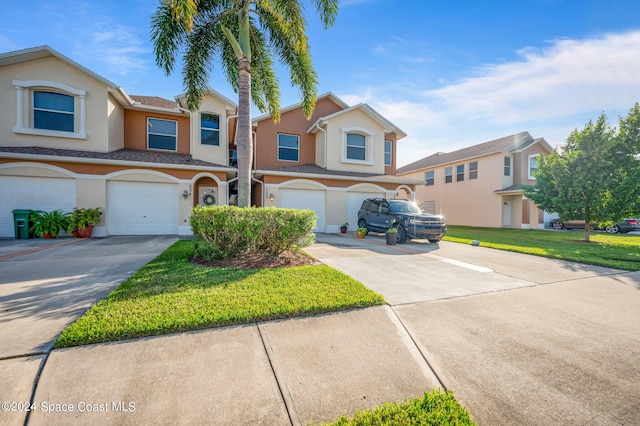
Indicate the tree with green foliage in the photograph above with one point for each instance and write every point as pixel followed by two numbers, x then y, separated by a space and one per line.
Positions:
pixel 243 35
pixel 594 176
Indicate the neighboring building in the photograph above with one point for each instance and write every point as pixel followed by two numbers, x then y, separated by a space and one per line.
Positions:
pixel 70 138
pixel 481 185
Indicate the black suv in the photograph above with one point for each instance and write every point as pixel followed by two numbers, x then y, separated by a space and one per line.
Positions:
pixel 379 214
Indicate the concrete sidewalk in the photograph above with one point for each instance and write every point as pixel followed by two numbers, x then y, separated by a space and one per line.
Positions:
pixel 295 371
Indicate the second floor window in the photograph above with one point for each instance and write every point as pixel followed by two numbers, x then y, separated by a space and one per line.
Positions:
pixel 209 129
pixel 448 175
pixel 162 134
pixel 356 147
pixel 507 166
pixel 533 165
pixel 53 111
pixel 473 170
pixel 387 153
pixel 288 147
pixel 460 173
pixel 430 178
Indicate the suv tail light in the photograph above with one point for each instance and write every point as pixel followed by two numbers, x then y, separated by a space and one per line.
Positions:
pixel 632 221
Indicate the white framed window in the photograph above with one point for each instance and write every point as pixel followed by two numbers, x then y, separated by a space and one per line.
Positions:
pixel 460 173
pixel 507 166
pixel 356 145
pixel 473 170
pixel 53 111
pixel 288 147
pixel 209 129
pixel 430 178
pixel 388 149
pixel 448 175
pixel 532 165
pixel 49 108
pixel 162 134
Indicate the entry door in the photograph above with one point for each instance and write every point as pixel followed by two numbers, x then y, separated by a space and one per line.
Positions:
pixel 506 213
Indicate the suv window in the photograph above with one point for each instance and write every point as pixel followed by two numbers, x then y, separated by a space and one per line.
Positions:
pixel 384 207
pixel 404 207
pixel 370 205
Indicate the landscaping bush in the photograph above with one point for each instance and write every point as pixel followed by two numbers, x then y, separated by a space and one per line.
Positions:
pixel 228 231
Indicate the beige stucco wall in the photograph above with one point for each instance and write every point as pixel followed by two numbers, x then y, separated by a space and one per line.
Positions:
pixel 212 154
pixel 336 141
pixel 115 119
pixel 52 69
pixel 470 202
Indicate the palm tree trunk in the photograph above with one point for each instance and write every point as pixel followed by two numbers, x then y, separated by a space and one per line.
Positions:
pixel 243 141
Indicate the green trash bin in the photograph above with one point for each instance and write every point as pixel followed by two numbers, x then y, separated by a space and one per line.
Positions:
pixel 21 224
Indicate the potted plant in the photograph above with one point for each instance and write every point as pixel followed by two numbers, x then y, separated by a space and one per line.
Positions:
pixel 49 224
pixel 82 221
pixel 392 236
pixel 362 232
pixel 343 228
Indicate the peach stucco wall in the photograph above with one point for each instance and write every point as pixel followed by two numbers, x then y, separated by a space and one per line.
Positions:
pixel 292 123
pixel 135 129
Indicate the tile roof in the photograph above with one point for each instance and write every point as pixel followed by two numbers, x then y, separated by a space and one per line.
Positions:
pixel 317 170
pixel 155 101
pixel 510 143
pixel 119 155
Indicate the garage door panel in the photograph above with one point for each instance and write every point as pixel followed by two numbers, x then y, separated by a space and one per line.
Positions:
pixel 305 199
pixel 35 194
pixel 141 208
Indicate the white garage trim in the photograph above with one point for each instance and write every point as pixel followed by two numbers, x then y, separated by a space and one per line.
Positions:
pixel 305 199
pixel 33 193
pixel 142 208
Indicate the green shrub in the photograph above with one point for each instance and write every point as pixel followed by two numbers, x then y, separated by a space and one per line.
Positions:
pixel 228 231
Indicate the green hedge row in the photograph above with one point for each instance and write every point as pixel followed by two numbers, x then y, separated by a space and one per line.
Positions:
pixel 228 231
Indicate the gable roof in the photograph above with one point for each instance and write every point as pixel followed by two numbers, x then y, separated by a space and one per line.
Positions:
pixel 328 95
pixel 510 144
pixel 388 126
pixel 44 51
pixel 182 98
pixel 154 101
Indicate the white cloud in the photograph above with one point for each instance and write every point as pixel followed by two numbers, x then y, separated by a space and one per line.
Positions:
pixel 549 92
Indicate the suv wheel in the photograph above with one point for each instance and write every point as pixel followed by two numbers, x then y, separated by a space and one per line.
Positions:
pixel 363 224
pixel 402 236
pixel 557 225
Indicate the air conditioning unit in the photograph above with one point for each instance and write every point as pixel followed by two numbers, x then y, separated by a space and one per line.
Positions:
pixel 208 196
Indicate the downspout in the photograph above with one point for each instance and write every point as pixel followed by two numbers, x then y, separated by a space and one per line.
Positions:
pixel 324 159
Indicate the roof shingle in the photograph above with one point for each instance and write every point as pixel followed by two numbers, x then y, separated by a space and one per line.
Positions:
pixel 510 143
pixel 155 101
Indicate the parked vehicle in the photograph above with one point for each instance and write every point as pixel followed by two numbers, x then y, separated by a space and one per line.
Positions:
pixel 624 226
pixel 380 214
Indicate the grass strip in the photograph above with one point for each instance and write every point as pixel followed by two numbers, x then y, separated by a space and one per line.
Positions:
pixel 611 251
pixel 171 294
pixel 433 408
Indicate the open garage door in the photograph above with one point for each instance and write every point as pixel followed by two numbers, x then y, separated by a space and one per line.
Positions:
pixel 305 199
pixel 34 194
pixel 141 208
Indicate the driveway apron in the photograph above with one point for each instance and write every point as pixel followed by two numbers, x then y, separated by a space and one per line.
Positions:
pixel 519 339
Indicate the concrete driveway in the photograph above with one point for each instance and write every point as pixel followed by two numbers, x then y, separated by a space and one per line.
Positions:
pixel 519 339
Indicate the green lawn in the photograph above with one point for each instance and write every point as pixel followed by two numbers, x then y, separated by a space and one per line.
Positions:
pixel 433 408
pixel 613 251
pixel 171 294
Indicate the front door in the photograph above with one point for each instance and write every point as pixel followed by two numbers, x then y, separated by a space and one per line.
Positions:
pixel 506 213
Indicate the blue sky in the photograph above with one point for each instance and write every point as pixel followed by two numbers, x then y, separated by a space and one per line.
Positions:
pixel 449 73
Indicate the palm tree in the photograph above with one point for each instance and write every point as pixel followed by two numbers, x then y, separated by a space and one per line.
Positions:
pixel 243 35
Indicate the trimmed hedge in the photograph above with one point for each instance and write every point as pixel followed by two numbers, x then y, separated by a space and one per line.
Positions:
pixel 229 231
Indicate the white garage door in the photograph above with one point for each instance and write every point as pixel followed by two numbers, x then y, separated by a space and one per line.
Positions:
pixel 35 194
pixel 140 208
pixel 354 201
pixel 303 199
